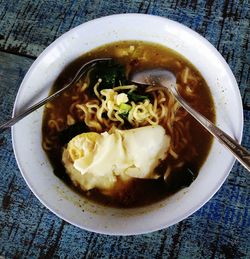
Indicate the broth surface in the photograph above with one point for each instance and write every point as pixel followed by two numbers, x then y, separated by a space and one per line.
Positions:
pixel 137 55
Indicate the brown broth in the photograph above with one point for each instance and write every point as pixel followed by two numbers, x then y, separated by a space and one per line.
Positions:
pixel 148 55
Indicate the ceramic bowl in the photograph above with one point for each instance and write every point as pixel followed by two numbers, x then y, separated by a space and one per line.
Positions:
pixel 74 208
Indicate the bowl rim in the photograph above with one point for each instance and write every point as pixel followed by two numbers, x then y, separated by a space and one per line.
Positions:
pixel 134 16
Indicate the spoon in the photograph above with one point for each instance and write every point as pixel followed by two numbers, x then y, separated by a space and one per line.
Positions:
pixel 77 77
pixel 167 79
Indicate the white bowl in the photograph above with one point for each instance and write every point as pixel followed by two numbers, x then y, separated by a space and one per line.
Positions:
pixel 75 209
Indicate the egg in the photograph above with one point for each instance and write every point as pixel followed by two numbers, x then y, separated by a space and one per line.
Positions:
pixel 121 98
pixel 95 160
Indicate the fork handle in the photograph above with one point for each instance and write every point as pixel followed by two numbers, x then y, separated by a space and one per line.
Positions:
pixel 20 116
pixel 77 76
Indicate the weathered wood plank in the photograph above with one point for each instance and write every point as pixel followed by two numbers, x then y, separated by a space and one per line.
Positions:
pixel 27 27
pixel 28 230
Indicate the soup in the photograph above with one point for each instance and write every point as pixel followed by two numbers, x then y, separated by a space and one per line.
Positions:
pixel 145 125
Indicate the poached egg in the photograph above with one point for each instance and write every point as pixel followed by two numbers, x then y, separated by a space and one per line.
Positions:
pixel 96 160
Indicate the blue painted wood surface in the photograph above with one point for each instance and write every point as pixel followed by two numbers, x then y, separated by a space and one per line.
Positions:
pixel 220 229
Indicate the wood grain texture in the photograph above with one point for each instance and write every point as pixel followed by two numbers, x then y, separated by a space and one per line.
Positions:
pixel 220 229
pixel 27 27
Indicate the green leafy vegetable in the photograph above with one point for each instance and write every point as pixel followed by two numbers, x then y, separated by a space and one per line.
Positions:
pixel 124 109
pixel 67 134
pixel 132 96
pixel 111 73
pixel 181 178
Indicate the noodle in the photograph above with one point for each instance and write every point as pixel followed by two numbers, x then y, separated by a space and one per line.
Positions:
pixel 83 88
pixel 125 87
pixel 95 88
pixel 185 75
pixel 164 109
pixel 142 113
pixel 70 120
pixel 103 100
pixel 56 124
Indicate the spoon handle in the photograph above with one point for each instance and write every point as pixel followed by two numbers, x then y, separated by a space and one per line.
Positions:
pixel 238 151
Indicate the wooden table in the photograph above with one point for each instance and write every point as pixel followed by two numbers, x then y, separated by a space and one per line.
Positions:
pixel 220 229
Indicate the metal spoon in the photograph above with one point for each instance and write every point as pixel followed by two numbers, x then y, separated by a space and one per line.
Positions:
pixel 167 79
pixel 77 77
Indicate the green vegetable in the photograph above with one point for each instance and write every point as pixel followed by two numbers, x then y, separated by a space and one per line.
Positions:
pixel 67 134
pixel 132 96
pixel 124 108
pixel 181 178
pixel 111 73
